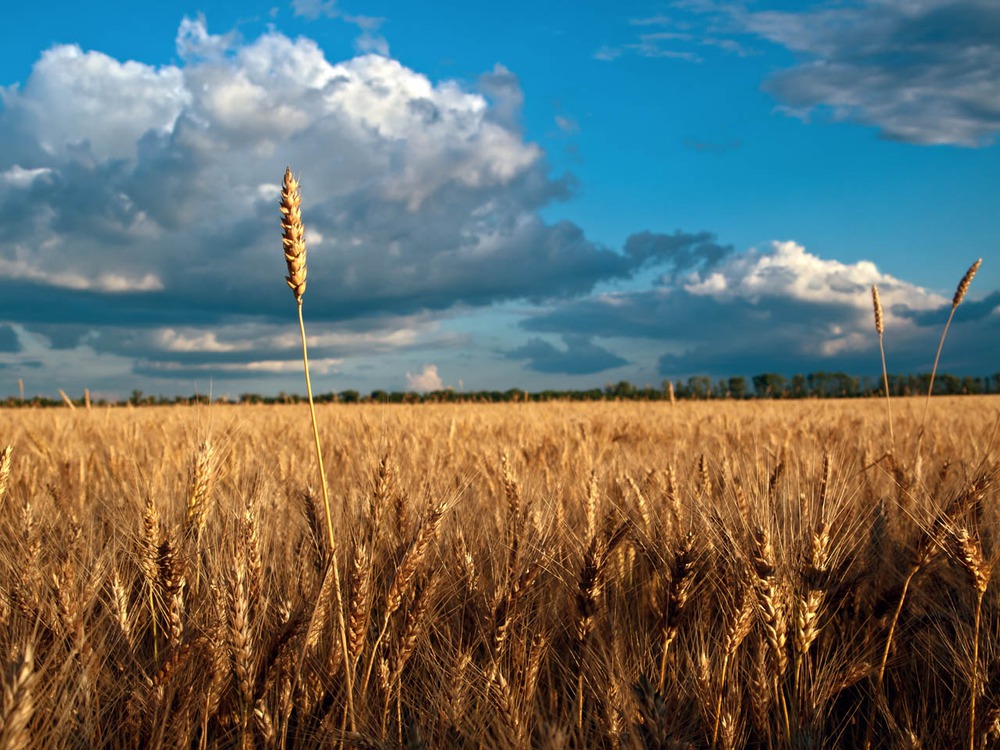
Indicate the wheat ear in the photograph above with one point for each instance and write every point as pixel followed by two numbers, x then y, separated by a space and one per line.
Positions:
pixel 811 598
pixel 879 329
pixel 150 537
pixel 4 471
pixel 773 615
pixel 413 628
pixel 404 577
pixel 198 499
pixel 119 609
pixel 172 582
pixel 678 593
pixel 738 628
pixel 589 601
pixel 294 242
pixel 970 554
pixel 199 494
pixel 360 600
pixel 67 400
pixel 18 703
pixel 241 642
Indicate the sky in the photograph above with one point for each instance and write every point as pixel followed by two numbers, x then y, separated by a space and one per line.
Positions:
pixel 534 195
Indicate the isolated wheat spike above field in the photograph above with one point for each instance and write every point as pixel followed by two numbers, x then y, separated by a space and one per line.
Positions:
pixel 294 242
pixel 293 235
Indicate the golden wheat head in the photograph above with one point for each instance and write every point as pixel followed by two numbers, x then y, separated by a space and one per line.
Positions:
pixel 4 470
pixel 877 304
pixel 963 285
pixel 293 235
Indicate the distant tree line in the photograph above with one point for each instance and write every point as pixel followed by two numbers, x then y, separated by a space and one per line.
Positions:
pixel 768 385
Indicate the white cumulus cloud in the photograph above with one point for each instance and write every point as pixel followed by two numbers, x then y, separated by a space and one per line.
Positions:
pixel 781 308
pixel 147 167
pixel 427 379
pixel 87 103
pixel 786 270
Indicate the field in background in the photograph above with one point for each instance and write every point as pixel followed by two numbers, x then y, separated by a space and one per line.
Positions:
pixel 557 575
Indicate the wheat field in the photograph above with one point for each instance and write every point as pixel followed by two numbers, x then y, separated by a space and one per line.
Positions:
pixel 600 575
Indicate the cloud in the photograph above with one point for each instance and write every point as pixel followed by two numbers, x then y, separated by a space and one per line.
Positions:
pixel 664 44
pixel 658 20
pixel 8 340
pixel 673 37
pixel 193 42
pixel 368 42
pixel 151 239
pixel 606 53
pixel 778 309
pixel 419 196
pixel 21 269
pixel 503 89
pixel 567 125
pixel 226 347
pixel 64 112
pixel 427 379
pixel 580 357
pixel 18 177
pixel 922 71
pixel 241 370
pixel 313 9
pixel 681 251
pixel 712 147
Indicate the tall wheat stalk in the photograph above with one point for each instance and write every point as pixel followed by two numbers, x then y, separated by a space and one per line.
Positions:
pixel 879 329
pixel 293 240
pixel 963 287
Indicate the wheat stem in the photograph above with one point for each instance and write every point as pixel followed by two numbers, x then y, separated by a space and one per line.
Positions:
pixel 975 670
pixel 885 655
pixel 315 427
pixel 293 240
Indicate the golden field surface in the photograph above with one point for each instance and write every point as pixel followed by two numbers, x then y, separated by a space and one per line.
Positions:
pixel 593 575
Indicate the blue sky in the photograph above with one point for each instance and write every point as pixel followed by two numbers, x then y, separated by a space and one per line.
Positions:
pixel 539 195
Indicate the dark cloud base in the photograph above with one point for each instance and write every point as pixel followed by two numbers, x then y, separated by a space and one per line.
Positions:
pixel 580 357
pixel 9 342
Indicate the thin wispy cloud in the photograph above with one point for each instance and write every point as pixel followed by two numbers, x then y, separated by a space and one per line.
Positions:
pixel 921 71
pixel 670 37
pixel 369 41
